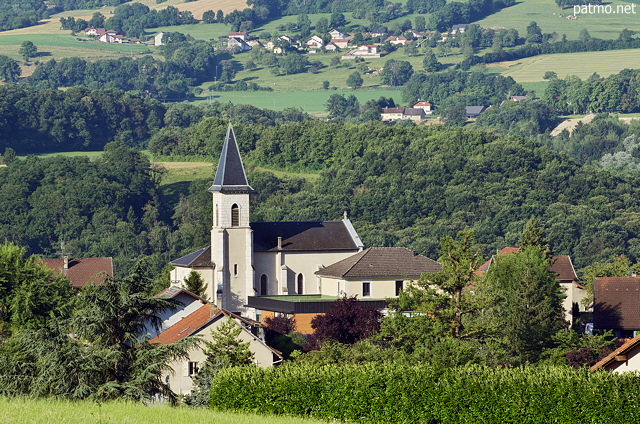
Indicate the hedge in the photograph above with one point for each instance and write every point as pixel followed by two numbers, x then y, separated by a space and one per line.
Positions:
pixel 394 393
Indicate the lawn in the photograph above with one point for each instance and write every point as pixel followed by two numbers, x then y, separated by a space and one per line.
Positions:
pixel 580 64
pixel 546 14
pixel 22 411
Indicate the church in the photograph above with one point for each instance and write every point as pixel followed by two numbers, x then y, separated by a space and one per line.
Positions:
pixel 256 269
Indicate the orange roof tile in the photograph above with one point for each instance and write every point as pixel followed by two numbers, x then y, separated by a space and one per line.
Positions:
pixel 609 359
pixel 187 325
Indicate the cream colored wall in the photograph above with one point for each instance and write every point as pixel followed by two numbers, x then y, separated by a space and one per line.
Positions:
pixel 631 364
pixel 380 288
pixel 284 281
pixel 574 294
pixel 178 274
pixel 182 384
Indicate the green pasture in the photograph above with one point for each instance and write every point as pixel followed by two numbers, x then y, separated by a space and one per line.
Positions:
pixel 57 46
pixel 542 12
pixel 581 64
pixel 23 410
pixel 310 101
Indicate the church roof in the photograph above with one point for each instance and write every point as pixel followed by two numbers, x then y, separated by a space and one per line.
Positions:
pixel 230 175
pixel 382 262
pixel 200 257
pixel 304 236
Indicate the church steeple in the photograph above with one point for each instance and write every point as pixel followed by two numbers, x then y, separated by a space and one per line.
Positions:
pixel 230 176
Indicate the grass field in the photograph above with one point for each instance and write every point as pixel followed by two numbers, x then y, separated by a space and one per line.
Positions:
pixel 542 11
pixel 23 411
pixel 580 64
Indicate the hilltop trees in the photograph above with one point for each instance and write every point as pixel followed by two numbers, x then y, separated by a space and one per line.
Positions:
pixel 27 50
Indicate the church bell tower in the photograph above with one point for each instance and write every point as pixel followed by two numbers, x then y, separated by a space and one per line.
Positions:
pixel 231 235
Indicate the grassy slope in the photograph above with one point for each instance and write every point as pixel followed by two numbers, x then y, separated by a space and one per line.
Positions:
pixel 542 11
pixel 22 410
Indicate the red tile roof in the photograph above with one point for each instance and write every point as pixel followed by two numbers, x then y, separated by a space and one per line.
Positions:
pixel 187 325
pixel 82 271
pixel 617 303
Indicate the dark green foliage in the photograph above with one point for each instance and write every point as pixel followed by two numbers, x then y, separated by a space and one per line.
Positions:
pixel 396 72
pixel 27 50
pixel 524 118
pixel 195 284
pixel 21 13
pixel 526 302
pixel 393 392
pixel 9 69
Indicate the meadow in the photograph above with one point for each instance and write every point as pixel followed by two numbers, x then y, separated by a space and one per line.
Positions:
pixel 23 411
pixel 546 14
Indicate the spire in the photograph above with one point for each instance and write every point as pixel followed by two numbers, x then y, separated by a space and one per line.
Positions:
pixel 230 175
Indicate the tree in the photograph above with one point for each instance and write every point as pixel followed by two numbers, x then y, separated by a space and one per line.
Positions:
pixel 396 72
pixel 293 63
pixel 532 235
pixel 27 50
pixel 341 107
pixel 337 20
pixel 195 284
pixel 325 85
pixel 534 33
pixel 526 301
pixel 430 63
pixel 346 322
pixel 322 26
pixel 354 80
pixel 227 71
pixel 420 23
pixel 208 16
pixel 9 69
pixel 224 350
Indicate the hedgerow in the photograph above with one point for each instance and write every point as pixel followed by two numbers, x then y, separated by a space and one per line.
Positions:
pixel 399 393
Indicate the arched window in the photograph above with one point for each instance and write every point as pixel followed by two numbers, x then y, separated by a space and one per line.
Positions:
pixel 216 222
pixel 263 285
pixel 235 216
pixel 300 284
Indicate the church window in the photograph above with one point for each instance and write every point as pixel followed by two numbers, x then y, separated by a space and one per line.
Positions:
pixel 263 285
pixel 235 216
pixel 235 270
pixel 300 284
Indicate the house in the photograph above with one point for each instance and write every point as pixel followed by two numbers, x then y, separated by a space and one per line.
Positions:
pixel 111 37
pixel 623 359
pixel 562 266
pixel 92 31
pixel 331 47
pixel 237 44
pixel 424 105
pixel 240 35
pixel 517 98
pixel 199 320
pixel 378 32
pixel 286 39
pixel 315 42
pixel 402 113
pixel 472 112
pixel 458 28
pixel 617 305
pixel 370 51
pixel 337 34
pixel 416 34
pixel 342 43
pixel 259 258
pixel 254 43
pixel 157 39
pixel 396 40
pixel 81 271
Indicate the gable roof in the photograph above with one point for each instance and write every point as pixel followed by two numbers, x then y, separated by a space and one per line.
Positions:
pixel 562 265
pixel 230 175
pixel 473 110
pixel 305 236
pixel 622 350
pixel 82 271
pixel 382 262
pixel 198 258
pixel 617 303
pixel 173 291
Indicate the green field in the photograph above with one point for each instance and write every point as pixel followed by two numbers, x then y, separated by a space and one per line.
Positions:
pixel 580 64
pixel 22 411
pixel 542 11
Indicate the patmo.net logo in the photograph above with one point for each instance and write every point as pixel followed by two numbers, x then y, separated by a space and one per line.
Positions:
pixel 604 9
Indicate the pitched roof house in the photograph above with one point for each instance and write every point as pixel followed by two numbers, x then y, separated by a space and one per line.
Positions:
pixel 472 112
pixel 567 278
pixel 81 271
pixel 617 305
pixel 198 318
pixel 397 40
pixel 337 34
pixel 402 113
pixel 623 359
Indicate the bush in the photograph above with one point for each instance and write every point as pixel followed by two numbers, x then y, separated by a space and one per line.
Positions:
pixel 399 393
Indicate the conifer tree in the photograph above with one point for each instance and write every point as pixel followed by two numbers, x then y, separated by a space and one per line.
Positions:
pixel 195 284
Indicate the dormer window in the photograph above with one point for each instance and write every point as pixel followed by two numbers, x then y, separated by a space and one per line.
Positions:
pixel 235 215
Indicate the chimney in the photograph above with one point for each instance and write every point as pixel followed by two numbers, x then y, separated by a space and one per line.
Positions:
pixel 279 243
pixel 65 262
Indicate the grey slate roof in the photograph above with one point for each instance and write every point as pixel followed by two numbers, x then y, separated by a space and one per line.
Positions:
pixel 200 257
pixel 303 236
pixel 230 175
pixel 473 110
pixel 395 262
